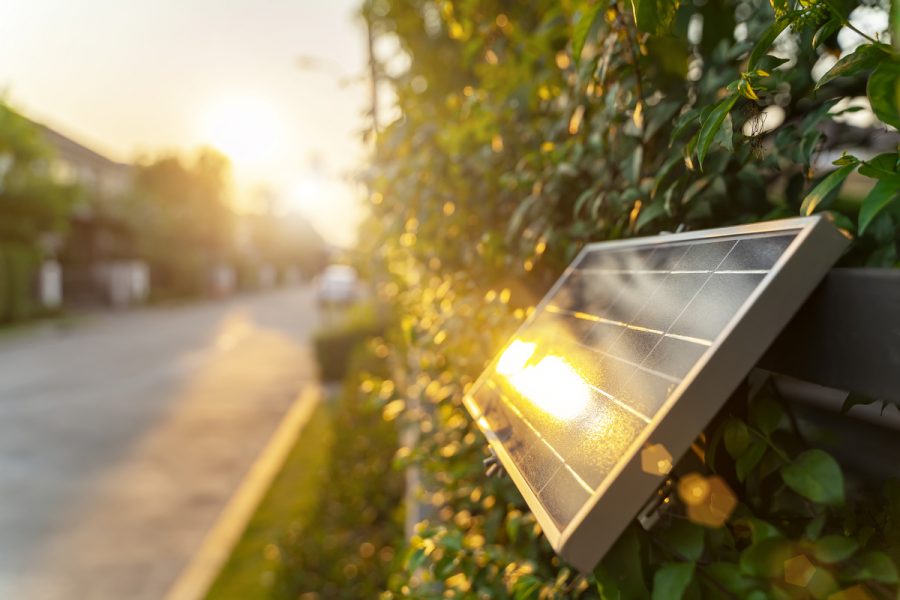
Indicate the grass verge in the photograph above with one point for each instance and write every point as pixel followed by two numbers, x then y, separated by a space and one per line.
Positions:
pixel 284 512
pixel 330 524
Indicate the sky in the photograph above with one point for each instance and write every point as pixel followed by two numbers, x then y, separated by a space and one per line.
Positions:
pixel 131 79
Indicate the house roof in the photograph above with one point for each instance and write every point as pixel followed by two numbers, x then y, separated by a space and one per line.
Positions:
pixel 78 153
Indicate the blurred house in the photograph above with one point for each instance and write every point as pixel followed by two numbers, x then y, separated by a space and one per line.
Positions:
pixel 98 253
pixel 278 249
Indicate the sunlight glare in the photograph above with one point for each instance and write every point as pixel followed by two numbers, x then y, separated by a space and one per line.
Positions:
pixel 514 357
pixel 306 192
pixel 552 384
pixel 245 128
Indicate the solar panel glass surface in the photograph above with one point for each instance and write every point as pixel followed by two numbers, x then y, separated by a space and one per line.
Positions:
pixel 613 344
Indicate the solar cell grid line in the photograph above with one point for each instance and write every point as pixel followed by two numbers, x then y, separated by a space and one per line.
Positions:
pixel 597 319
pixel 631 364
pixel 696 294
pixel 638 343
pixel 525 420
pixel 621 404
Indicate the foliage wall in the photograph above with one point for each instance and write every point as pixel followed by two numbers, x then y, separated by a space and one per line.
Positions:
pixel 526 130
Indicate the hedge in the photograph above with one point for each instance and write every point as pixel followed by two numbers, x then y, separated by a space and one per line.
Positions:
pixel 527 131
pixel 18 272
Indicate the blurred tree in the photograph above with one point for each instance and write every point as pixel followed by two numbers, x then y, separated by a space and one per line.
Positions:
pixel 184 220
pixel 33 208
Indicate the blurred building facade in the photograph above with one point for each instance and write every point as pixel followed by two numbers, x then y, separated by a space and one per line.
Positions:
pixel 97 257
pixel 81 230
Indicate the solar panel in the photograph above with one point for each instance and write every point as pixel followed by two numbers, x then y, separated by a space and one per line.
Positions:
pixel 637 346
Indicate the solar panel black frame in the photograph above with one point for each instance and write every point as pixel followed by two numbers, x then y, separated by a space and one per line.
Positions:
pixel 700 394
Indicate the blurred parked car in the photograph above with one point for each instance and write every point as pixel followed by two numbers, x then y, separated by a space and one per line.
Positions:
pixel 337 285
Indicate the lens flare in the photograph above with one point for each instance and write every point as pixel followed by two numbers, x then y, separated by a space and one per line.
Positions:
pixel 551 384
pixel 514 357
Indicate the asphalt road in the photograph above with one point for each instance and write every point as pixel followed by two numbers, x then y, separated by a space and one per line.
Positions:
pixel 122 438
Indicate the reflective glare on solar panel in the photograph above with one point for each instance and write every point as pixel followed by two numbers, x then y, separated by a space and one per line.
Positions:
pixel 638 344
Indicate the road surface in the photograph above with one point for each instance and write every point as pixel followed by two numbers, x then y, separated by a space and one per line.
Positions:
pixel 122 438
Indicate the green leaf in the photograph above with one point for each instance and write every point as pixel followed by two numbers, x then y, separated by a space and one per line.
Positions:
pixel 826 31
pixel 881 196
pixel 670 581
pixel 749 459
pixel 834 548
pixel 527 586
pixel 725 136
pixel 667 167
pixel 815 475
pixel 765 42
pixel 659 117
pixel 654 16
pixel 814 528
pixel 711 125
pixel 761 530
pixel 770 63
pixel 416 559
pixel 694 189
pixel 815 197
pixel 863 58
pixel 633 165
pixel 872 566
pixel 765 413
pixel 645 16
pixel 895 24
pixel 766 558
pixel 515 222
pixel 883 167
pixel 846 159
pixel 883 90
pixel 606 585
pixel 685 538
pixel 737 437
pixel 682 123
pixel 730 577
pixel 822 584
pixel 583 27
pixel 583 198
pixel 649 214
pixel 624 566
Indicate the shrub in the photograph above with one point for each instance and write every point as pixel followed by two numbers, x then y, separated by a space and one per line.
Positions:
pixel 350 546
pixel 336 341
pixel 18 271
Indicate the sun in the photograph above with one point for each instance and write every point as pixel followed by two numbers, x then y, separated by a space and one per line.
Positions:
pixel 244 127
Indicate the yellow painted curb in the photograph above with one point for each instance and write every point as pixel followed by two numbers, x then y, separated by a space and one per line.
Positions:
pixel 196 579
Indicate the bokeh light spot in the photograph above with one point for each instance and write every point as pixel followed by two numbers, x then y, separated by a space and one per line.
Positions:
pixel 656 460
pixel 798 570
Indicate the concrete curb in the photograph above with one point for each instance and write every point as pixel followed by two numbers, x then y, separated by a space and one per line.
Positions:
pixel 197 578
